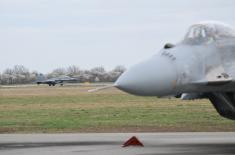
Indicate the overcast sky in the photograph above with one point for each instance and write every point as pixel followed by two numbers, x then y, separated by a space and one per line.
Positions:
pixel 45 34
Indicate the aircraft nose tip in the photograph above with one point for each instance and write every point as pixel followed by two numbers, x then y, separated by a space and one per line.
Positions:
pixel 122 82
pixel 129 80
pixel 150 78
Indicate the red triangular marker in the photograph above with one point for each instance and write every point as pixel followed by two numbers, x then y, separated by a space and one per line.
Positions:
pixel 133 141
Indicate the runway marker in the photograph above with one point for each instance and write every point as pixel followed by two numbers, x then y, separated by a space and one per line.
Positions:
pixel 133 141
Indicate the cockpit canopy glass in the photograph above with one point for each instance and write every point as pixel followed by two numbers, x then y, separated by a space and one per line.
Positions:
pixel 205 33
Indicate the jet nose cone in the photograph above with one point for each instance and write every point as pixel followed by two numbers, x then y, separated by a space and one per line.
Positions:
pixel 154 77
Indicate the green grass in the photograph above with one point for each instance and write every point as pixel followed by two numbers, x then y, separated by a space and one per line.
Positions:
pixel 48 110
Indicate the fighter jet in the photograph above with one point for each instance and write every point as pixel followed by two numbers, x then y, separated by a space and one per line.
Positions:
pixel 41 79
pixel 202 65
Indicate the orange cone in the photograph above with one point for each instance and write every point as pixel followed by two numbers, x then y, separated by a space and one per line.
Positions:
pixel 133 141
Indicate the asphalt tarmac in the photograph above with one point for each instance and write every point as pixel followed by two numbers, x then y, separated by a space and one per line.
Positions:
pixel 111 144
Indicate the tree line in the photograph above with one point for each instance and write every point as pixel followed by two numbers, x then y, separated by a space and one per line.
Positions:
pixel 21 75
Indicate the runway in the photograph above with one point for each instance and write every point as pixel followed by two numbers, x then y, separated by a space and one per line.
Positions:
pixel 111 144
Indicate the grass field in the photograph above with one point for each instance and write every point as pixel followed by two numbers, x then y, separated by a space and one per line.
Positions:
pixel 73 109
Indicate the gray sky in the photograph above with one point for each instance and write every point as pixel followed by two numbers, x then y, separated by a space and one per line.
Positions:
pixel 45 34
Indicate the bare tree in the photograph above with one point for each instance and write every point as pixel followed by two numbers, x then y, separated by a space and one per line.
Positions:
pixel 115 73
pixel 98 73
pixel 20 74
pixel 57 72
pixel 73 71
pixel 8 76
pixel 119 69
pixel 98 70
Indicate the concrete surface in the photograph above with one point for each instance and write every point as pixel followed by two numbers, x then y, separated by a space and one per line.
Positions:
pixel 111 144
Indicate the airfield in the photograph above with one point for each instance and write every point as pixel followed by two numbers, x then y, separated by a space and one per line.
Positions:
pixel 71 109
pixel 69 120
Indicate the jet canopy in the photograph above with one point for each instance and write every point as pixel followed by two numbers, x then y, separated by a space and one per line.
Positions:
pixel 208 32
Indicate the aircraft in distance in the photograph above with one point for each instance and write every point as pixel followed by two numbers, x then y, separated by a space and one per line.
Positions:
pixel 41 79
pixel 202 65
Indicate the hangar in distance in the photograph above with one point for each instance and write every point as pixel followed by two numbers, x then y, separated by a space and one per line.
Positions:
pixel 202 65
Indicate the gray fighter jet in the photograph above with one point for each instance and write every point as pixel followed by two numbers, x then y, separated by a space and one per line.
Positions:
pixel 41 79
pixel 202 65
